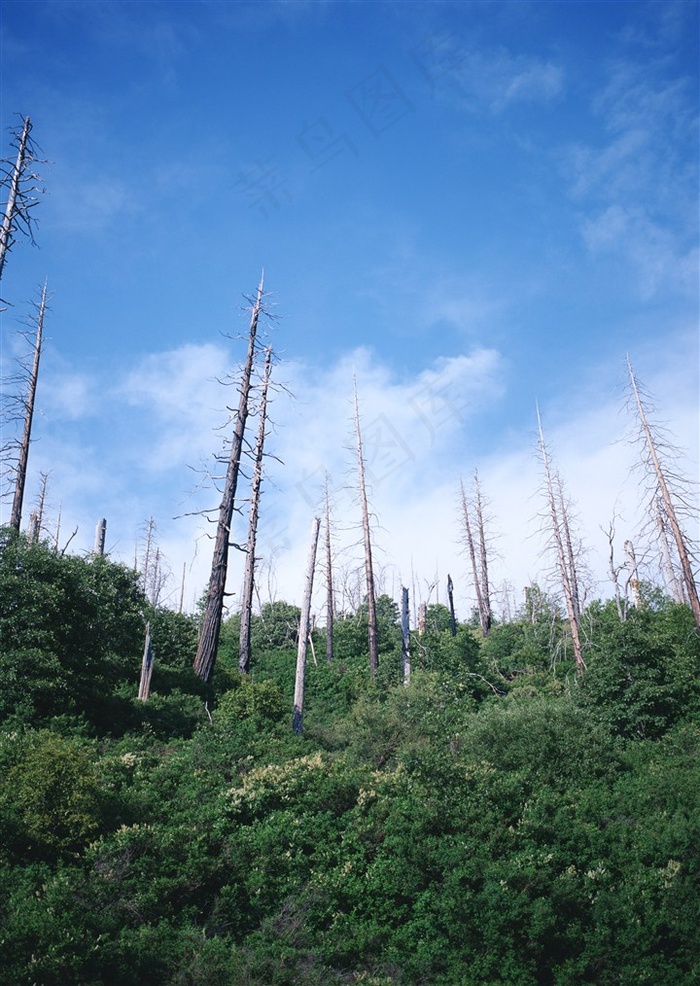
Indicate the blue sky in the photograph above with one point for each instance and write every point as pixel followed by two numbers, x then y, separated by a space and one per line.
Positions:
pixel 475 206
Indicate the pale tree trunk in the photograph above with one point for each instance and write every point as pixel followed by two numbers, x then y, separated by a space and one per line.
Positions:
pixel 479 565
pixel 562 542
pixel 633 578
pixel 36 520
pixel 664 491
pixel 146 667
pixel 674 583
pixel 100 537
pixel 244 646
pixel 304 630
pixel 330 604
pixel 405 638
pixel 487 618
pixel 211 620
pixel 372 641
pixel 16 515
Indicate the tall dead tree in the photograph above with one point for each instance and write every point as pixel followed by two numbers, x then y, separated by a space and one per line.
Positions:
pixel 560 538
pixel 330 603
pixel 476 545
pixel 211 620
pixel 100 537
pixel 304 631
pixel 405 638
pixel 244 647
pixel 666 490
pixel 372 640
pixel 17 177
pixel 28 402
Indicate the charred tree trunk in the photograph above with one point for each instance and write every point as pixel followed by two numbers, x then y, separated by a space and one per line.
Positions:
pixel 304 629
pixel 244 647
pixel 211 621
pixel 561 538
pixel 669 508
pixel 450 598
pixel 372 640
pixel 405 638
pixel 16 515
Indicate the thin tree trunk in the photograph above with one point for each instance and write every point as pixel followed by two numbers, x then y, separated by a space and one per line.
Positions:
pixel 16 515
pixel 565 561
pixel 405 637
pixel 484 622
pixel 486 615
pixel 304 628
pixel 11 208
pixel 211 621
pixel 450 597
pixel 330 604
pixel 633 579
pixel 146 667
pixel 665 493
pixel 244 646
pixel 372 641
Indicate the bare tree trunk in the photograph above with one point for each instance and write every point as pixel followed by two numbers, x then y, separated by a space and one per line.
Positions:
pixel 100 537
pixel 479 567
pixel 562 543
pixel 369 571
pixel 14 206
pixel 146 667
pixel 450 597
pixel 211 621
pixel 486 616
pixel 665 493
pixel 304 628
pixel 244 647
pixel 405 637
pixel 674 583
pixel 182 587
pixel 16 515
pixel 633 578
pixel 330 604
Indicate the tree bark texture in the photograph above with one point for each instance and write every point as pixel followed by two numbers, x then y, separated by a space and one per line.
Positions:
pixel 12 206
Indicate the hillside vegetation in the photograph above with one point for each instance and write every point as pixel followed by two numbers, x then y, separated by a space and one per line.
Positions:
pixel 498 820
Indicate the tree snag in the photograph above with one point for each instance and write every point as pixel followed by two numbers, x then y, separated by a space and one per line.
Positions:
pixel 372 640
pixel 211 620
pixel 304 630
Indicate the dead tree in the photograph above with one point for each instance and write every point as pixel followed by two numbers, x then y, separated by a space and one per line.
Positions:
pixel 477 550
pixel 146 667
pixel 244 647
pixel 560 537
pixel 405 638
pixel 304 631
pixel 21 184
pixel 330 604
pixel 667 490
pixel 211 620
pixel 451 601
pixel 100 537
pixel 28 402
pixel 372 639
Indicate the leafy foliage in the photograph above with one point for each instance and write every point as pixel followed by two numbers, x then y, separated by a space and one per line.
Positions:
pixel 495 821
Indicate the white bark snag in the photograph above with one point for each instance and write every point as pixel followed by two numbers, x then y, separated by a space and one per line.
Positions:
pixel 372 641
pixel 405 637
pixel 146 667
pixel 304 629
pixel 13 207
pixel 16 514
pixel 211 621
pixel 478 559
pixel 100 537
pixel 633 577
pixel 561 539
pixel 330 612
pixel 664 493
pixel 244 647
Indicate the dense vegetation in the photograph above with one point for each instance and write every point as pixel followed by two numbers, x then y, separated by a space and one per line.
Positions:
pixel 499 820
